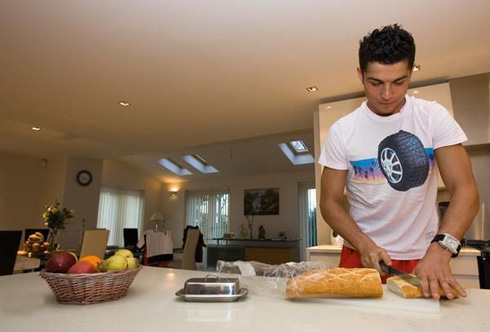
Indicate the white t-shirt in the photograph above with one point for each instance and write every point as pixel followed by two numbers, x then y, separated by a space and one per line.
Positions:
pixel 392 172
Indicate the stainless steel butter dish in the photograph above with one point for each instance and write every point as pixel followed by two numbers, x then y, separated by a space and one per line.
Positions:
pixel 212 289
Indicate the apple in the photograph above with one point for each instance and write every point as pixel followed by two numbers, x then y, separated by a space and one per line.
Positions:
pixel 60 262
pixel 73 254
pixel 82 267
pixel 133 263
pixel 115 262
pixel 125 253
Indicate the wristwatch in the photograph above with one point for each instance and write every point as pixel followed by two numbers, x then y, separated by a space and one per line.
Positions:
pixel 448 243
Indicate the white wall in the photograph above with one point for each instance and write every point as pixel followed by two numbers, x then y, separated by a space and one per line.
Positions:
pixel 54 175
pixel 287 221
pixel 26 186
pixel 83 199
pixel 21 187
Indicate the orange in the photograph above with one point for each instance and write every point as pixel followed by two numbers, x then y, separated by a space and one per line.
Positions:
pixel 95 260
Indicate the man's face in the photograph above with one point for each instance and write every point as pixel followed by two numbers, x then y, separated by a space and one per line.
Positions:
pixel 385 86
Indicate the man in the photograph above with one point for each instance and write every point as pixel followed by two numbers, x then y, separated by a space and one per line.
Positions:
pixel 385 154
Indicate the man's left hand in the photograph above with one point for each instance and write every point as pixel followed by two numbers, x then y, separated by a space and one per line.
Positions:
pixel 433 271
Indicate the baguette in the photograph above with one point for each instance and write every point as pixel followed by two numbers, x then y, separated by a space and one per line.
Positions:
pixel 337 282
pixel 409 287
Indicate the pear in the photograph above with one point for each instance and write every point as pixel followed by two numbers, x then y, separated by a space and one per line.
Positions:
pixel 102 266
pixel 125 253
pixel 133 263
pixel 115 262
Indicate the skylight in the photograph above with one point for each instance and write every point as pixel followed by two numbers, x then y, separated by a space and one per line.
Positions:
pixel 299 146
pixel 200 163
pixel 174 167
pixel 294 157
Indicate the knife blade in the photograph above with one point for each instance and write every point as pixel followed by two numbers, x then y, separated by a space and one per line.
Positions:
pixel 390 270
pixel 406 276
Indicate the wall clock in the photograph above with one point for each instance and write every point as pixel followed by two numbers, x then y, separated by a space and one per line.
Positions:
pixel 84 178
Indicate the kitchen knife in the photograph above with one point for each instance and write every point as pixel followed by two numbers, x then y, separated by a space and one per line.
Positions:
pixel 407 277
pixel 390 270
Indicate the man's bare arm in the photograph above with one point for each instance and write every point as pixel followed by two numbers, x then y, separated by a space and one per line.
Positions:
pixel 455 167
pixel 332 188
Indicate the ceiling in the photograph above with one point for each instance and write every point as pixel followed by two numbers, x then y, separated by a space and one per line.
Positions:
pixel 203 76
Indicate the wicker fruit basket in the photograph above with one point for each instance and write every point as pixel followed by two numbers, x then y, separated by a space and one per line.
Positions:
pixel 89 288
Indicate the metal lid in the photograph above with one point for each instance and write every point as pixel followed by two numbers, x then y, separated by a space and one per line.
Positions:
pixel 212 284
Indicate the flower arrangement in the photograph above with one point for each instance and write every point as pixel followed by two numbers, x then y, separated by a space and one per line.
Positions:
pixel 55 218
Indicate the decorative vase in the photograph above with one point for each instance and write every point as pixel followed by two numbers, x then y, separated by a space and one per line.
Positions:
pixel 53 245
pixel 250 220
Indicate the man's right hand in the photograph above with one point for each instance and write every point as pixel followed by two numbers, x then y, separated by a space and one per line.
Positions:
pixel 371 255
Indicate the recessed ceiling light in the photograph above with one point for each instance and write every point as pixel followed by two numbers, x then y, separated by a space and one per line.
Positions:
pixel 312 89
pixel 329 107
pixel 124 103
pixel 36 128
pixel 416 68
pixel 415 92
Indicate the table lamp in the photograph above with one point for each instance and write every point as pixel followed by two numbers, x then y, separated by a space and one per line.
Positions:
pixel 156 217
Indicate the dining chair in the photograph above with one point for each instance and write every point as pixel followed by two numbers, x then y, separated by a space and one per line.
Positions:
pixel 9 244
pixel 188 260
pixel 94 242
pixel 130 236
pixel 189 254
pixel 43 231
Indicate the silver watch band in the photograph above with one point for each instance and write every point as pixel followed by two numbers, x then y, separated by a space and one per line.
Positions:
pixel 452 239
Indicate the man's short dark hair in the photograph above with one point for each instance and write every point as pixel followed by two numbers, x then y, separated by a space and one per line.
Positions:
pixel 388 45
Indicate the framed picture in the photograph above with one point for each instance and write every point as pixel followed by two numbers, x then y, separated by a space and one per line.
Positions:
pixel 261 201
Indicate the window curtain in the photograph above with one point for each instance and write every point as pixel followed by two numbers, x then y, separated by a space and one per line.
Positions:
pixel 119 209
pixel 209 211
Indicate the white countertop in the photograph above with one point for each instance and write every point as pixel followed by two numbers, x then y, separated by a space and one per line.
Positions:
pixel 334 249
pixel 27 304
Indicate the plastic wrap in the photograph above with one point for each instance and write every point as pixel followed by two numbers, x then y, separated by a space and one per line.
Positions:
pixel 267 280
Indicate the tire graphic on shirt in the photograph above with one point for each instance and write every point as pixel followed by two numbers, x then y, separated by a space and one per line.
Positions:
pixel 403 161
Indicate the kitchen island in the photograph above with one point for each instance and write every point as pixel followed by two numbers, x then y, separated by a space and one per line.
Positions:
pixel 27 304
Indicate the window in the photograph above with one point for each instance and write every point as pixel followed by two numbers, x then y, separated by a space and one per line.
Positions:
pixel 209 211
pixel 307 216
pixel 120 209
pixel 174 167
pixel 297 153
pixel 299 146
pixel 199 163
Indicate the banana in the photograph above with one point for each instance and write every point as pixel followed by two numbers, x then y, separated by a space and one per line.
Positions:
pixel 34 238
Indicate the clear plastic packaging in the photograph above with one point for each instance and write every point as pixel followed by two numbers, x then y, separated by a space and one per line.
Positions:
pixel 264 279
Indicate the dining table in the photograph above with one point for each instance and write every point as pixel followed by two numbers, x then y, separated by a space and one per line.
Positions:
pixel 27 304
